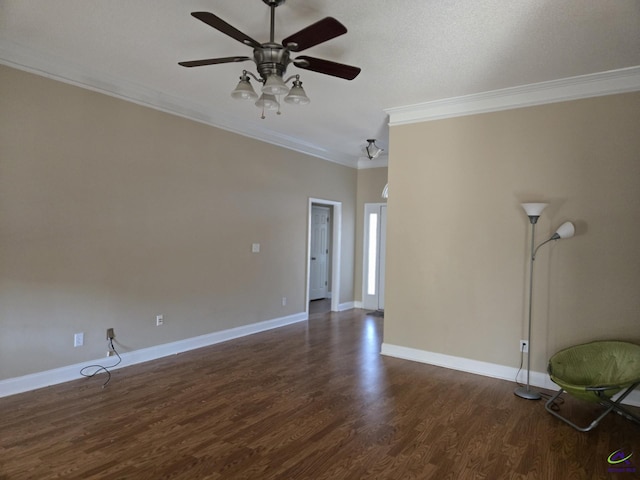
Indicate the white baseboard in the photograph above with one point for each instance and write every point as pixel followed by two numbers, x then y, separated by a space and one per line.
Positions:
pixel 346 306
pixel 537 379
pixel 34 381
pixel 358 304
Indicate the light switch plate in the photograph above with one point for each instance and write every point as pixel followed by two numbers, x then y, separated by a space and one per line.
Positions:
pixel 255 248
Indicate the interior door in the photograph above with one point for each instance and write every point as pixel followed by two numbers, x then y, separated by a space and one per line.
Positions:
pixel 374 261
pixel 319 251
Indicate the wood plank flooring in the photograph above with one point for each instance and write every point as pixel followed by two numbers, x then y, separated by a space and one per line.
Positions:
pixel 313 400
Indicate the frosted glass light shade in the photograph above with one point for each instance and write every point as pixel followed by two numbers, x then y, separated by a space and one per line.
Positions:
pixel 244 90
pixel 297 96
pixel 274 85
pixel 372 149
pixel 268 102
pixel 566 230
pixel 534 209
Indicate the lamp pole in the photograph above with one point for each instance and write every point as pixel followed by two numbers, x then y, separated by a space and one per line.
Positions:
pixel 526 392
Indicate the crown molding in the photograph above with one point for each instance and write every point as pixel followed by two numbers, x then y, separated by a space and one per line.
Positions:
pixel 598 84
pixel 22 58
pixel 573 88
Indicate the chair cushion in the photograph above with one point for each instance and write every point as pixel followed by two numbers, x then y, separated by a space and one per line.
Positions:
pixel 603 363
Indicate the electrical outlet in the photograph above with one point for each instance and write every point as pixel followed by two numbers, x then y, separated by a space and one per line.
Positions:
pixel 524 346
pixel 159 320
pixel 110 353
pixel 78 339
pixel 284 301
pixel 110 334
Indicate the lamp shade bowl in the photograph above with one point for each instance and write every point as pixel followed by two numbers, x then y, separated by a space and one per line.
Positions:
pixel 244 91
pixel 268 102
pixel 566 230
pixel 534 209
pixel 274 85
pixel 297 96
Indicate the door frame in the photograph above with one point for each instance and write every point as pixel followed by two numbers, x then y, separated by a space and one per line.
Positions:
pixel 336 227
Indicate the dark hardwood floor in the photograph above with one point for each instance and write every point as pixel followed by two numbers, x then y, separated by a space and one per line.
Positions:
pixel 320 306
pixel 312 400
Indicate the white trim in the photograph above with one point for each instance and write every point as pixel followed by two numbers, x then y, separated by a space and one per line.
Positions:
pixel 573 88
pixel 584 86
pixel 358 304
pixel 34 381
pixel 493 370
pixel 346 306
pixel 336 248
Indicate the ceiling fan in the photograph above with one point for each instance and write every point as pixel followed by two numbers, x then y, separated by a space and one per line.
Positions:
pixel 272 58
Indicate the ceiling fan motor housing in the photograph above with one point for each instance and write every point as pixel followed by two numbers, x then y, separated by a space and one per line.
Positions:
pixel 271 59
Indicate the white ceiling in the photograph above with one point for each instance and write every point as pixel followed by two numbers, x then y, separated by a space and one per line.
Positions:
pixel 410 52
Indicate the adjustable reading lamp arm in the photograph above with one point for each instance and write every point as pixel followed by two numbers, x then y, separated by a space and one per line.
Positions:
pixel 554 237
pixel 566 230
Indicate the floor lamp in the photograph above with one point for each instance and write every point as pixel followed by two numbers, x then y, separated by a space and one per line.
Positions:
pixel 566 230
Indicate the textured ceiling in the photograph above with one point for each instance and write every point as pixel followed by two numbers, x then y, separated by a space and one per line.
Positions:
pixel 410 51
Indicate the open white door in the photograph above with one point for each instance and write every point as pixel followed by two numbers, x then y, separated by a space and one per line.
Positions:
pixel 335 234
pixel 319 253
pixel 374 261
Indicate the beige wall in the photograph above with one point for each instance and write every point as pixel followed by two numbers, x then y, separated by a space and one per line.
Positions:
pixel 371 182
pixel 458 239
pixel 111 213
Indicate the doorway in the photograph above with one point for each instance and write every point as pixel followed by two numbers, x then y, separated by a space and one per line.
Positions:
pixel 374 258
pixel 329 213
pixel 319 252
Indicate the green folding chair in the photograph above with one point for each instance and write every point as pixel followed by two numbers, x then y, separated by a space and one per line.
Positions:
pixel 596 372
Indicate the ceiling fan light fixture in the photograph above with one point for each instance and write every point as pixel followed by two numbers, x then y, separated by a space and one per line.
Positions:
pixel 271 59
pixel 268 102
pixel 244 90
pixel 274 85
pixel 297 95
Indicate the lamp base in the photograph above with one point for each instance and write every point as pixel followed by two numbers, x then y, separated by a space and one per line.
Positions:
pixel 527 393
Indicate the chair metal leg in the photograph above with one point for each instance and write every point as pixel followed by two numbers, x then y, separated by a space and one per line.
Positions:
pixel 604 401
pixel 618 407
pixel 566 420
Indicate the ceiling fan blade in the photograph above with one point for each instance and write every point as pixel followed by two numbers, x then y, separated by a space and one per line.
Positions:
pixel 327 67
pixel 213 61
pixel 219 24
pixel 314 34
